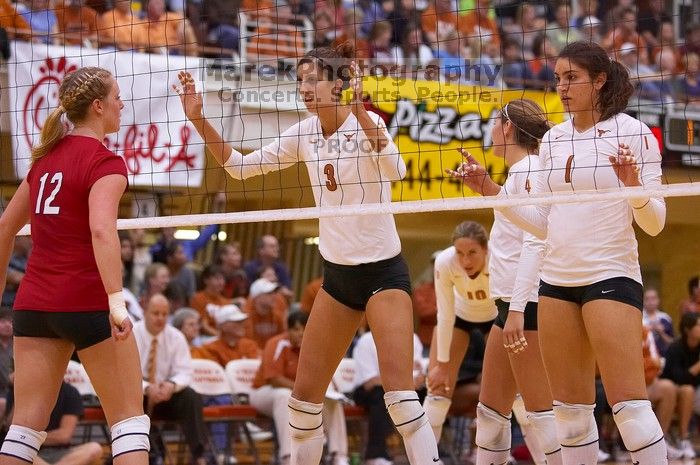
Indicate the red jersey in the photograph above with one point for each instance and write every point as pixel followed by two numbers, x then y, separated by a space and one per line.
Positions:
pixel 62 274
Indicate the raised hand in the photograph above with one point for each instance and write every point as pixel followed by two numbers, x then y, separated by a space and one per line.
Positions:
pixel 192 102
pixel 356 87
pixel 474 175
pixel 625 166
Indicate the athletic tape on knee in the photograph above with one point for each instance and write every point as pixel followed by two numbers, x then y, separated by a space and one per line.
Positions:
pixel 131 435
pixel 436 408
pixel 637 423
pixel 492 429
pixel 22 443
pixel 305 419
pixel 575 424
pixel 405 411
pixel 543 426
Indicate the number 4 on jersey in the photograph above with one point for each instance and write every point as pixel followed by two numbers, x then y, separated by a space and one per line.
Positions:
pixel 48 209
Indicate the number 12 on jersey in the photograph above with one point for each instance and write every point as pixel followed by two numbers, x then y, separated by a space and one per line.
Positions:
pixel 48 209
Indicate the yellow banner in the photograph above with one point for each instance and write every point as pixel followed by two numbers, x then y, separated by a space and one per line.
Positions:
pixel 429 120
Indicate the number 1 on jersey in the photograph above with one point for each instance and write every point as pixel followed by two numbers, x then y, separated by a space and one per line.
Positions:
pixel 48 208
pixel 567 173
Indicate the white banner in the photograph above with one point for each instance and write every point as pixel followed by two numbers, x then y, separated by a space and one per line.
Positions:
pixel 160 147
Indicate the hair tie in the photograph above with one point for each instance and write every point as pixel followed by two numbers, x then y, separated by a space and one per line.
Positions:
pixel 61 108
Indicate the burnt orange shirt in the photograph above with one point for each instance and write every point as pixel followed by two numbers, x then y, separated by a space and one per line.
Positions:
pixel 438 23
pixel 279 359
pixel 121 29
pixel 200 300
pixel 309 294
pixel 78 23
pixel 222 353
pixel 261 328
pixel 474 24
pixel 170 30
pixel 10 19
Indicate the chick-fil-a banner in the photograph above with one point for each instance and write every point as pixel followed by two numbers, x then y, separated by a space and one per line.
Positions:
pixel 159 146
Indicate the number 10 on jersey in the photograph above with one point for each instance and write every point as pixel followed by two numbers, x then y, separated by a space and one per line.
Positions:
pixel 48 209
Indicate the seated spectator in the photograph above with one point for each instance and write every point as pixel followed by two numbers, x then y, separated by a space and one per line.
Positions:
pixel 544 63
pixel 77 22
pixel 186 320
pixel 380 43
pixel 692 304
pixel 176 261
pixel 586 9
pixel 591 29
pixel 167 372
pixel 625 31
pixel 230 261
pixel 561 33
pixel 683 368
pixel 690 81
pixel 643 76
pixel 450 55
pixel 12 20
pixel 369 393
pixel 438 20
pixel 221 18
pixel 666 45
pixel 156 278
pixel 142 256
pixel 479 27
pixel 57 448
pixel 132 305
pixel 273 388
pixel 658 322
pixel 516 72
pixel 267 311
pixel 336 12
pixel 309 295
pixel 401 18
pixel 6 356
pixel 527 26
pixel 127 256
pixel 119 28
pixel 168 32
pixel 210 298
pixel 692 39
pixel 16 269
pixel 662 392
pixel 268 254
pixel 42 20
pixel 324 32
pixel 231 343
pixel 650 22
pixel 353 21
pixel 413 50
pixel 189 247
pixel 176 295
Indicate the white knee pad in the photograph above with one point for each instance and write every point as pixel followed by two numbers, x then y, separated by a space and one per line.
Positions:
pixel 436 408
pixel 492 429
pixel 22 443
pixel 575 424
pixel 305 419
pixel 131 435
pixel 543 426
pixel 637 423
pixel 405 411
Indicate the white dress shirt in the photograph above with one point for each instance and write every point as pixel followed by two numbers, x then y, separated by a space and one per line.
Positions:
pixel 173 360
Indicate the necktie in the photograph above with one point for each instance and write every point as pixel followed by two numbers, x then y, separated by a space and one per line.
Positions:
pixel 152 354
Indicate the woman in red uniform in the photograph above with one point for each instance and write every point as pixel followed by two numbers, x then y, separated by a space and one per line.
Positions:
pixel 71 295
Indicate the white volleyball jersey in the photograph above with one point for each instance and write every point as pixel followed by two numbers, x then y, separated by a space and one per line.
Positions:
pixel 343 170
pixel 515 256
pixel 588 242
pixel 458 295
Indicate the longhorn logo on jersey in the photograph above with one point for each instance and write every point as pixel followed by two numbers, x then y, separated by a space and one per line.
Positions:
pixel 602 131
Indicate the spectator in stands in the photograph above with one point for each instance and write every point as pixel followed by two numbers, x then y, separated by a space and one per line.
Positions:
pixel 42 20
pixel 481 28
pixel 516 71
pixel 272 40
pixel 690 82
pixel 425 305
pixel 336 13
pixel 231 343
pixel 562 33
pixel 544 62
pixel 527 26
pixel 168 32
pixel 683 368
pixel 142 256
pixel 692 303
pixel 6 356
pixel 57 448
pixel 189 247
pixel 451 61
pixel 650 22
pixel 662 392
pixel 658 322
pixel 438 20
pixel 11 19
pixel 369 393
pixel 645 79
pixel 77 22
pixel 302 7
pixel 156 277
pixel 16 269
pixel 222 28
pixel 187 321
pixel 127 255
pixel 167 372
pixel 591 29
pixel 274 382
pixel 403 17
pixel 176 295
pixel 692 39
pixel 413 50
pixel 324 33
pixel 210 298
pixel 586 9
pixel 309 295
pixel 119 28
pixel 380 43
pixel 624 31
pixel 176 261
pixel 230 260
pixel 353 21
pixel 268 251
pixel 267 311
pixel 666 45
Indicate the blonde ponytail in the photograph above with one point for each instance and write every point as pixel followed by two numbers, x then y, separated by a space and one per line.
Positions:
pixel 52 132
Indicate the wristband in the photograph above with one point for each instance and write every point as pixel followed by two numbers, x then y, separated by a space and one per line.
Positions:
pixel 117 307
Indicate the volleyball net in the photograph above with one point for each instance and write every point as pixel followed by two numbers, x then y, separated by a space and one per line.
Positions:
pixel 436 72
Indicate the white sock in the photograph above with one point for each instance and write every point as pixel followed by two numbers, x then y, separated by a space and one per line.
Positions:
pixel 306 432
pixel 409 418
pixel 436 408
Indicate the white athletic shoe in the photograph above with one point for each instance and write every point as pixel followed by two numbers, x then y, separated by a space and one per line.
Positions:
pixel 603 456
pixel 258 434
pixel 687 449
pixel 673 453
pixel 378 461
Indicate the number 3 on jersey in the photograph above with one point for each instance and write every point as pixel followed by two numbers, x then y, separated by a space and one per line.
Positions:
pixel 48 209
pixel 329 171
